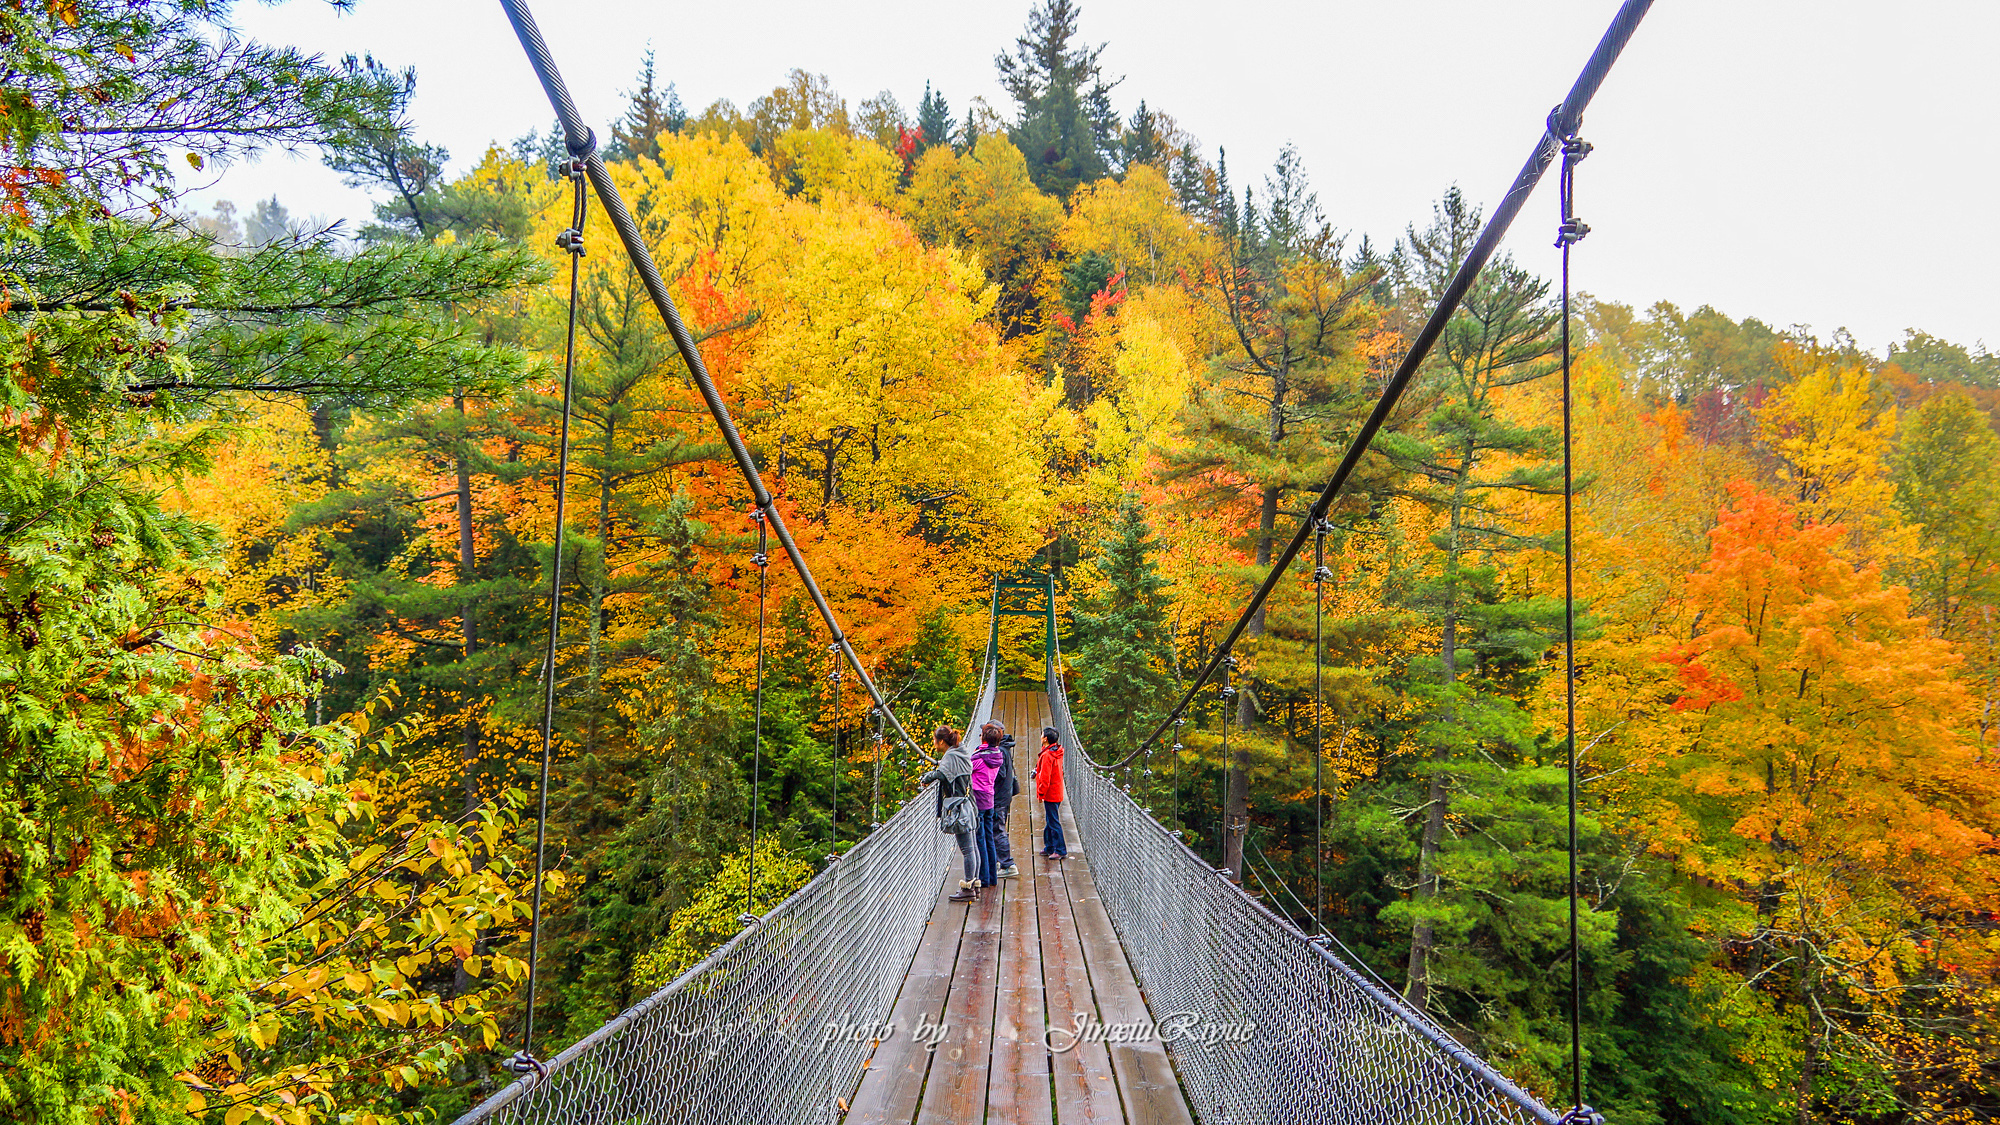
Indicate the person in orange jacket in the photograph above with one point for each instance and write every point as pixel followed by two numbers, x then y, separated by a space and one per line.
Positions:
pixel 1048 780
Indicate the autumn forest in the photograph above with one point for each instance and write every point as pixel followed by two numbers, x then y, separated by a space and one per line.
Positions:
pixel 277 523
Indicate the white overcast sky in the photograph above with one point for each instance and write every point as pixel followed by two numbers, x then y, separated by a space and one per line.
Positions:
pixel 1829 163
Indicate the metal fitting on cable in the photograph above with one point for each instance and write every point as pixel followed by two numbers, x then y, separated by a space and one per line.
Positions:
pixel 1571 231
pixel 747 919
pixel 760 559
pixel 523 1063
pixel 1575 148
pixel 570 240
pixel 1582 1115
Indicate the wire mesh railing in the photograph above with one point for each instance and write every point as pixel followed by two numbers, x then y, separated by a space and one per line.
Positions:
pixel 1289 1033
pixel 773 1026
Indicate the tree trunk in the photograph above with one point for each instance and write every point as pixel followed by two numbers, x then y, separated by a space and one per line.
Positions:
pixel 597 585
pixel 1236 783
pixel 1423 938
pixel 468 764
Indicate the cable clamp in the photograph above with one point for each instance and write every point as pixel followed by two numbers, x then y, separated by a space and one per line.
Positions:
pixel 523 1063
pixel 571 240
pixel 748 919
pixel 1323 574
pixel 1571 231
pixel 1575 148
pixel 1582 1115
pixel 759 558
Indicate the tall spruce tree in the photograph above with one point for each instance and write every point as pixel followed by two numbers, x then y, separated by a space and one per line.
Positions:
pixel 1067 128
pixel 1266 423
pixel 1124 645
pixel 933 121
pixel 1474 743
pixel 649 113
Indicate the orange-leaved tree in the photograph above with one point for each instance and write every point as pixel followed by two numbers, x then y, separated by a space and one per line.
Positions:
pixel 1825 774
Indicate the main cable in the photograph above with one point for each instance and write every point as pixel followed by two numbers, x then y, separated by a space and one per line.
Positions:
pixel 570 240
pixel 1562 122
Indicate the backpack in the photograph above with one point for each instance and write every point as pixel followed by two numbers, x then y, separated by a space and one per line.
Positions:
pixel 957 816
pixel 955 810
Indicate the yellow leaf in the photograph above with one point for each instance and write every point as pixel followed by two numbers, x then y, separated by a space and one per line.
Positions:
pixel 196 1103
pixel 127 52
pixel 237 1115
pixel 65 10
pixel 194 158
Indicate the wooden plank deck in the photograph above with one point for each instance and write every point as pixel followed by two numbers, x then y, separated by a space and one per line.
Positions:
pixel 1034 952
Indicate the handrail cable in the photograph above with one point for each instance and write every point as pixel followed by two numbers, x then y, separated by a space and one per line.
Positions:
pixel 1562 122
pixel 581 143
pixel 570 240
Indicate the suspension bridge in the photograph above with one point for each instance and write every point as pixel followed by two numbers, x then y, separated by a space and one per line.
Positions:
pixel 1130 982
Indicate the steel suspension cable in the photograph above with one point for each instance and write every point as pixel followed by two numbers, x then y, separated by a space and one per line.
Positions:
pixel 1572 230
pixel 1320 575
pixel 833 828
pixel 762 559
pixel 1562 122
pixel 570 240
pixel 581 143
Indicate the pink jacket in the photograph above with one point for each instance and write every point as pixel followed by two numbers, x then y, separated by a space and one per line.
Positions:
pixel 985 767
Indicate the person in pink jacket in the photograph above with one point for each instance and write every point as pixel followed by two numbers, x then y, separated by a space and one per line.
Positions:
pixel 986 763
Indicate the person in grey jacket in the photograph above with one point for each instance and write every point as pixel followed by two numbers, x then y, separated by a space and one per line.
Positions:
pixel 1004 787
pixel 954 777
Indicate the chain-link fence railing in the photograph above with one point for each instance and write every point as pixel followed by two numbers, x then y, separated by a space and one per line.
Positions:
pixel 1266 1026
pixel 772 1027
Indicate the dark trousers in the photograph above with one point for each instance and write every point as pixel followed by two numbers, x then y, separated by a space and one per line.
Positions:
pixel 1003 851
pixel 970 851
pixel 988 870
pixel 1052 833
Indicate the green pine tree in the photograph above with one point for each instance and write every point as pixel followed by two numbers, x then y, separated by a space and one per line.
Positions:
pixel 1124 648
pixel 933 120
pixel 1066 129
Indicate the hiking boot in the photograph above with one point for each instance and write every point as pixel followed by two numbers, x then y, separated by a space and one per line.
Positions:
pixel 968 891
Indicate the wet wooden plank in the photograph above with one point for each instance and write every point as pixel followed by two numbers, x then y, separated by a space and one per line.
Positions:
pixel 955 1092
pixel 1084 1083
pixel 1017 1089
pixel 1147 1084
pixel 892 1080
